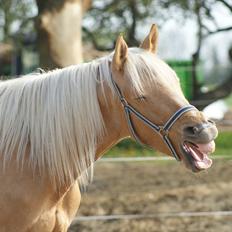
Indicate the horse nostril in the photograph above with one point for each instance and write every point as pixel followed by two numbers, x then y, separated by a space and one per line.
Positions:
pixel 195 130
pixel 191 130
pixel 211 122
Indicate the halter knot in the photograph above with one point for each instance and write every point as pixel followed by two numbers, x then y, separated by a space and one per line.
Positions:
pixel 123 101
pixel 163 131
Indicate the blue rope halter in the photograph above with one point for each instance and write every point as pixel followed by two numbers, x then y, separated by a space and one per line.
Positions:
pixel 163 131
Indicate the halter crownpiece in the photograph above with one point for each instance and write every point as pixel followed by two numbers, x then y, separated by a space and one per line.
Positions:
pixel 163 131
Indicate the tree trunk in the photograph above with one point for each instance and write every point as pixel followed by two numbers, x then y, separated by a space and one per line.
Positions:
pixel 59 32
pixel 196 55
pixel 132 30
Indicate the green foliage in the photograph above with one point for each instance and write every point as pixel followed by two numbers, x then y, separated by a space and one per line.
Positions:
pixel 224 142
pixel 229 101
pixel 16 17
pixel 105 20
pixel 129 148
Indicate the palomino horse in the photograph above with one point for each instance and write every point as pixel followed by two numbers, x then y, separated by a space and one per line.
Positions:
pixel 54 125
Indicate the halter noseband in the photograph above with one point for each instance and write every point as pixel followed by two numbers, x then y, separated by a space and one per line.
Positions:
pixel 161 130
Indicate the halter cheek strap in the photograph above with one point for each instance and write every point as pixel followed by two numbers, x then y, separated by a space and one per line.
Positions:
pixel 163 131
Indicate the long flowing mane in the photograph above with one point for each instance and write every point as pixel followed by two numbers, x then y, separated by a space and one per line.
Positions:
pixel 57 118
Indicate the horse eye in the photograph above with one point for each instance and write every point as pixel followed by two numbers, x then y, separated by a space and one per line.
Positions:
pixel 141 98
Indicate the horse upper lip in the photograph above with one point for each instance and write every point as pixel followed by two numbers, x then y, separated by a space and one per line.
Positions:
pixel 206 133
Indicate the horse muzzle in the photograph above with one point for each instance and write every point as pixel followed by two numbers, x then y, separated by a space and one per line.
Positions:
pixel 198 144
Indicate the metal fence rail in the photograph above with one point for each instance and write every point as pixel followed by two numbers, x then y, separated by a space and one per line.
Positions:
pixel 152 216
pixel 155 158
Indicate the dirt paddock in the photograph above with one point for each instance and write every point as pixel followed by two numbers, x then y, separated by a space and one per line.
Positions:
pixel 157 187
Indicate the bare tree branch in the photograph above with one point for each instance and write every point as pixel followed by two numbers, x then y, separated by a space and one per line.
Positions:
pixel 226 4
pixel 206 28
pixel 196 55
pixel 94 41
pixel 219 30
pixel 221 91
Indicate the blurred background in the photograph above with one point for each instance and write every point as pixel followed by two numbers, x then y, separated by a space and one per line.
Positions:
pixel 195 40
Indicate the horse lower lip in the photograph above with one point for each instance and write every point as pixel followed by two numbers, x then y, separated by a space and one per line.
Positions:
pixel 193 161
pixel 204 164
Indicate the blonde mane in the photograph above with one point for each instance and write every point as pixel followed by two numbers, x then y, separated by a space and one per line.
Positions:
pixel 56 115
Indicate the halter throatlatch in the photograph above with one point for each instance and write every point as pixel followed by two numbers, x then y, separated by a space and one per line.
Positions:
pixel 163 131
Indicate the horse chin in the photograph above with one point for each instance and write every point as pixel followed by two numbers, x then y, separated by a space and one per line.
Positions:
pixel 196 156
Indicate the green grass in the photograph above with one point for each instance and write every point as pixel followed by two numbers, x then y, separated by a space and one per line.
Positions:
pixel 224 143
pixel 229 100
pixel 129 148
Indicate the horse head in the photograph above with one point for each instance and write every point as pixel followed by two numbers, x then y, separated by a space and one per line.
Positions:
pixel 155 109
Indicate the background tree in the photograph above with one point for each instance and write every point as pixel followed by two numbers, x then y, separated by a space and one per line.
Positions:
pixel 16 21
pixel 16 18
pixel 59 32
pixel 203 13
pixel 106 19
pixel 58 27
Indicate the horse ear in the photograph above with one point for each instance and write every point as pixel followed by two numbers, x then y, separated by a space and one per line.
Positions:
pixel 150 42
pixel 120 54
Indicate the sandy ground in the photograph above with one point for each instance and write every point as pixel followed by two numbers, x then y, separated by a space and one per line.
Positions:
pixel 157 187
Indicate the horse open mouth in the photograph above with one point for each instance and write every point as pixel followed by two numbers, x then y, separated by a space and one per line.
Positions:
pixel 197 155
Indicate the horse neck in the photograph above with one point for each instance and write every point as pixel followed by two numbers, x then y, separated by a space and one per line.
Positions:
pixel 114 118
